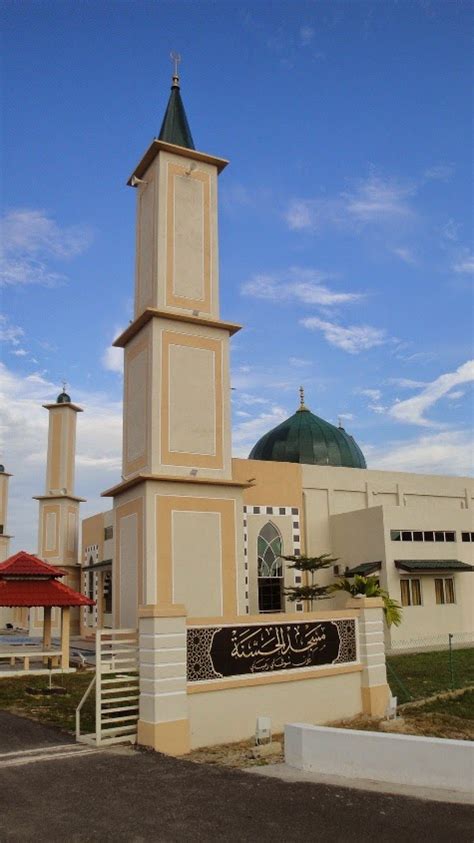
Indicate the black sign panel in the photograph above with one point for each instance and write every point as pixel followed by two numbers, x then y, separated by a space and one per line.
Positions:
pixel 216 652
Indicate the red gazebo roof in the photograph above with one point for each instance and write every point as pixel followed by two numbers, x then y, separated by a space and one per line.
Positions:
pixel 26 580
pixel 40 593
pixel 24 564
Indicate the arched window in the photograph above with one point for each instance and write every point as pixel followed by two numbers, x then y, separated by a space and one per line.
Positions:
pixel 270 569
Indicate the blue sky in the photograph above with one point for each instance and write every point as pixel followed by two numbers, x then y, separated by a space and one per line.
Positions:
pixel 345 217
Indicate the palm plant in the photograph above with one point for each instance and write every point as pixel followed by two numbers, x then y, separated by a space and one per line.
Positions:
pixel 369 587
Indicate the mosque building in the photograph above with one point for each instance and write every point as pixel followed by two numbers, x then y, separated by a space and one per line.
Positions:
pixel 190 526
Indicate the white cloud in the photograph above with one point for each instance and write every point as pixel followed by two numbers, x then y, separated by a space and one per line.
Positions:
pixel 31 239
pixel 299 362
pixel 440 172
pixel 353 338
pixel 372 200
pixel 448 452
pixel 306 35
pixel 373 394
pixel 24 431
pixel 247 433
pixel 10 334
pixel 405 254
pixel 20 352
pixel 407 383
pixel 465 264
pixel 34 232
pixel 450 230
pixel 297 284
pixel 112 358
pixel 412 410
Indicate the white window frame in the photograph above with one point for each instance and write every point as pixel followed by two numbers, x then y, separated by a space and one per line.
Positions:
pixel 411 604
pixel 445 602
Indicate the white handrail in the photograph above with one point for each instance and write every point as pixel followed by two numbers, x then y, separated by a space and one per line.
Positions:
pixel 78 709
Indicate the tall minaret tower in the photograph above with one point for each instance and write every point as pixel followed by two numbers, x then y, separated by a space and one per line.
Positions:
pixel 4 537
pixel 178 510
pixel 59 507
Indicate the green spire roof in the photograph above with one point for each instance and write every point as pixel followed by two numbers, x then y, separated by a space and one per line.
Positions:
pixel 175 127
pixel 307 439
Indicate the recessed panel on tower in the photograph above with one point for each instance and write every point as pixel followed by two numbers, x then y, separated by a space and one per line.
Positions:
pixel 192 395
pixel 188 239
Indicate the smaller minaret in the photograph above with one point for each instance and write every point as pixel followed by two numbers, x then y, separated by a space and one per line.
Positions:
pixel 4 537
pixel 58 537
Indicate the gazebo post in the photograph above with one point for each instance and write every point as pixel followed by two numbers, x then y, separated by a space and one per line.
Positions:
pixel 65 627
pixel 47 631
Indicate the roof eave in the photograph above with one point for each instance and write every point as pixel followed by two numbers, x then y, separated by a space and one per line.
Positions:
pixel 158 146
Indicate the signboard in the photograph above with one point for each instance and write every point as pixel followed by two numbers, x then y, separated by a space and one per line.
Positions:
pixel 217 652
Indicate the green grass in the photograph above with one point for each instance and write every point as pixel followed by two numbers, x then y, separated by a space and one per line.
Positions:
pixel 56 710
pixel 461 706
pixel 418 675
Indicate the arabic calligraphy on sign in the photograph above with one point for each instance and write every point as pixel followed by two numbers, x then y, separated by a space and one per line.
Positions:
pixel 240 650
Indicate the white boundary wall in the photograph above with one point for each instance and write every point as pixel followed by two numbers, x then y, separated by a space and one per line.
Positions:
pixel 400 759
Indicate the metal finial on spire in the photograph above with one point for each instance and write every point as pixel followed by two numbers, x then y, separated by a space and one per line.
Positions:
pixel 302 404
pixel 176 59
pixel 64 383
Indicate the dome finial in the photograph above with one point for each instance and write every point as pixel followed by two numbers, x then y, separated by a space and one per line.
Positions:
pixel 302 406
pixel 63 397
pixel 176 59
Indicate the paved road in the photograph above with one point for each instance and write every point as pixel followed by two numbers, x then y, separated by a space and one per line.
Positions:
pixel 140 796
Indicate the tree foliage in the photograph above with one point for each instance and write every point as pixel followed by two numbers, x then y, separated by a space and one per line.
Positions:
pixel 309 565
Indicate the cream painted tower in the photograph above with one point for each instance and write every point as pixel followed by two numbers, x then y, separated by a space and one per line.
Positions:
pixel 59 507
pixel 7 615
pixel 178 511
pixel 4 537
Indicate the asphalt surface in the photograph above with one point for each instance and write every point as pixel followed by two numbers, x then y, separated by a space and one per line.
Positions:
pixel 60 795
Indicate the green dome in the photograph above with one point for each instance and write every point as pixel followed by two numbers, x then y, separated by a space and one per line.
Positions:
pixel 63 398
pixel 307 439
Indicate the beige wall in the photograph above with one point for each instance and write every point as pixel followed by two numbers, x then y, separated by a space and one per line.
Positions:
pixel 196 539
pixel 365 536
pixel 276 483
pixel 230 715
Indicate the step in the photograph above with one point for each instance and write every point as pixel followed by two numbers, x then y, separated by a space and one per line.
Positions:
pixel 119 679
pixel 121 699
pixel 111 720
pixel 120 739
pixel 118 730
pixel 120 651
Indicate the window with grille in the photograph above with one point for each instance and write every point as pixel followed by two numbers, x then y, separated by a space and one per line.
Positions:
pixel 270 569
pixel 425 536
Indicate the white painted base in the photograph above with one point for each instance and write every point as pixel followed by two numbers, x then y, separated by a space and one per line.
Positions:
pixel 401 759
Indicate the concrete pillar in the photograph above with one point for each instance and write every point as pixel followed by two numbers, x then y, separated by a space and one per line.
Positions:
pixel 375 689
pixel 65 631
pixel 163 721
